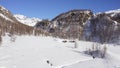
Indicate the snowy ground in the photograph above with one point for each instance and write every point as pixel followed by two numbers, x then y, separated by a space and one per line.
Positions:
pixel 35 52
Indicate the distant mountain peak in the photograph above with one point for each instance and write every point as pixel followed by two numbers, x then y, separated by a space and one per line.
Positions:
pixel 113 11
pixel 26 20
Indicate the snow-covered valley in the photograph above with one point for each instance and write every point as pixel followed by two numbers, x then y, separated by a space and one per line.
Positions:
pixel 30 42
pixel 49 52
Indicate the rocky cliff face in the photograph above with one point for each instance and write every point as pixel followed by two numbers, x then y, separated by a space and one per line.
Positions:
pixel 74 24
pixel 102 28
pixel 85 25
pixel 70 24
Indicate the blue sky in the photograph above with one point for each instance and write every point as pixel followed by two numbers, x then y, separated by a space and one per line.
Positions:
pixel 48 9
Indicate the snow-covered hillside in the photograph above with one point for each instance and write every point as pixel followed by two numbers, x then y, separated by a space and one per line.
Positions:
pixel 48 52
pixel 6 14
pixel 26 20
pixel 6 18
pixel 113 11
pixel 2 9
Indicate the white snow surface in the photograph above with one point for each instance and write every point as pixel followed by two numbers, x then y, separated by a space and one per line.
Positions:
pixel 34 51
pixel 26 20
pixel 113 12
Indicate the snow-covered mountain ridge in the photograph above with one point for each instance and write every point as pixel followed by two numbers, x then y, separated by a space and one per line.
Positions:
pixel 9 24
pixel 72 24
pixel 26 20
pixel 113 11
pixel 6 14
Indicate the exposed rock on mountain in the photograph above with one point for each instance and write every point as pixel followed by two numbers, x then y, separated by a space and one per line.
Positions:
pixel 114 14
pixel 70 24
pixel 6 14
pixel 43 25
pixel 84 25
pixel 102 28
pixel 74 24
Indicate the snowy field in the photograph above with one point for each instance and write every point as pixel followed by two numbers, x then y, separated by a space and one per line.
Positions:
pixel 48 52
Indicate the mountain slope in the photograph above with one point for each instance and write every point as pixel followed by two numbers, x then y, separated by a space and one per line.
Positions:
pixel 103 27
pixel 7 15
pixel 70 24
pixel 9 24
pixel 113 12
pixel 25 20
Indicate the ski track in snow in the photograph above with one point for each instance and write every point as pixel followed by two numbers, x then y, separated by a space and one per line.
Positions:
pixel 114 55
pixel 3 58
pixel 2 67
pixel 62 66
